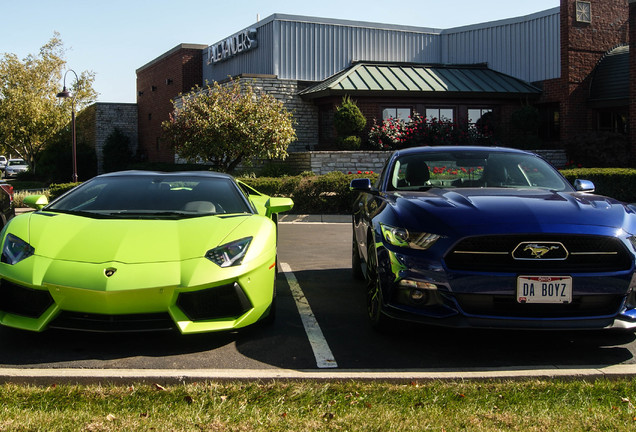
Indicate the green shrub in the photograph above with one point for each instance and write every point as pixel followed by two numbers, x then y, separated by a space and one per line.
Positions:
pixel 350 142
pixel 56 190
pixel 348 120
pixel 312 194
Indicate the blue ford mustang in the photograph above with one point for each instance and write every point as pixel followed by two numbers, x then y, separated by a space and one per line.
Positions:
pixel 492 238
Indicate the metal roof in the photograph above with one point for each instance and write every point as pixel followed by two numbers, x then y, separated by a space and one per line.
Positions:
pixel 610 80
pixel 401 79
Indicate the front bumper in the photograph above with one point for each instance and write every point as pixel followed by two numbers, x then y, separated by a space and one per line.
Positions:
pixel 418 288
pixel 193 296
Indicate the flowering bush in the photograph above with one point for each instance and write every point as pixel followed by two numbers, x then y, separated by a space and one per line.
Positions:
pixel 394 134
pixel 387 135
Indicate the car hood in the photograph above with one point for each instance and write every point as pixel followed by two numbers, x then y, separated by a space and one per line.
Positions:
pixel 467 211
pixel 83 239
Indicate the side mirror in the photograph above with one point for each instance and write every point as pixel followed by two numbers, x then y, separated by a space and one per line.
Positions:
pixel 278 205
pixel 360 185
pixel 36 201
pixel 584 185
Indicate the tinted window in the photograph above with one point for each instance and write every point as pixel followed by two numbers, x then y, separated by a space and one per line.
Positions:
pixel 473 169
pixel 154 195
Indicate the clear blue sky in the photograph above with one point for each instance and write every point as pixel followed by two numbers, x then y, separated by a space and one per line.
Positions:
pixel 115 37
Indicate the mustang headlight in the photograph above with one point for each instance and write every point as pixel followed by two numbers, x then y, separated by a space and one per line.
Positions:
pixel 229 254
pixel 15 250
pixel 407 239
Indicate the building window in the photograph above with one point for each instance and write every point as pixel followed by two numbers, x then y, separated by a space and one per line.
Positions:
pixel 613 121
pixel 403 114
pixel 440 114
pixel 475 114
pixel 583 11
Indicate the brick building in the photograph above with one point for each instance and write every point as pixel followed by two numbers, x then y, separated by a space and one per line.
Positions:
pixel 158 83
pixel 571 62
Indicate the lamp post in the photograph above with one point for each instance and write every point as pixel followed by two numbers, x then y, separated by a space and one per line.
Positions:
pixel 67 94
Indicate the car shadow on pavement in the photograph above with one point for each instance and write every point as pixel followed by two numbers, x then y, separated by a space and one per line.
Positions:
pixel 338 302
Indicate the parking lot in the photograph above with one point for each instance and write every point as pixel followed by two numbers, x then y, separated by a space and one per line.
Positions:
pixel 320 326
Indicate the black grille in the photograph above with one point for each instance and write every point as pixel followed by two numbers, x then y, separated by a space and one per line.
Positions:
pixel 23 301
pixel 112 323
pixel 507 306
pixel 225 301
pixel 494 254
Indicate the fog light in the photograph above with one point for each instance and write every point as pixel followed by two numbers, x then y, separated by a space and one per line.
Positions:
pixel 417 295
pixel 412 284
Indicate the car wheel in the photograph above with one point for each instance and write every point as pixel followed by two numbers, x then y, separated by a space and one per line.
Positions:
pixel 356 262
pixel 374 292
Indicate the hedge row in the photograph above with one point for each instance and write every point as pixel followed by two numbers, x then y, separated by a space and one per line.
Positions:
pixel 312 194
pixel 330 194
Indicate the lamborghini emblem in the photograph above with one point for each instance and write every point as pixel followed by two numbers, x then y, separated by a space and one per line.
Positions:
pixel 109 271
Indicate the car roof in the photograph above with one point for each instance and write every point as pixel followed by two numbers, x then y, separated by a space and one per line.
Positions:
pixel 143 173
pixel 428 149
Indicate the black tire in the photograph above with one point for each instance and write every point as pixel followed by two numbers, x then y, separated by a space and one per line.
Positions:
pixel 379 321
pixel 356 262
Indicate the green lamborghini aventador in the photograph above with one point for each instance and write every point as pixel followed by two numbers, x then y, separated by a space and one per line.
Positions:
pixel 138 250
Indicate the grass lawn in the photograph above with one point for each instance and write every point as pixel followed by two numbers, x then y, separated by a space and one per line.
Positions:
pixel 529 405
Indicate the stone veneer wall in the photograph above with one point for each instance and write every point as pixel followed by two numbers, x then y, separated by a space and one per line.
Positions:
pixel 108 117
pixel 305 113
pixel 354 161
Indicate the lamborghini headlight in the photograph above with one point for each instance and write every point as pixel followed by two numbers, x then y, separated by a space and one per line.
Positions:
pixel 15 250
pixel 403 238
pixel 229 254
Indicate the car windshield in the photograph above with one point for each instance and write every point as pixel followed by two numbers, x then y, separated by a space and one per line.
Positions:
pixel 153 196
pixel 16 162
pixel 482 169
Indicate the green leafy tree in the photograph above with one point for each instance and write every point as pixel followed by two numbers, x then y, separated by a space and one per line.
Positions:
pixel 226 125
pixel 30 112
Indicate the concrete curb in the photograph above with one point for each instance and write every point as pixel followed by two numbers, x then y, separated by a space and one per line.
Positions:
pixel 178 376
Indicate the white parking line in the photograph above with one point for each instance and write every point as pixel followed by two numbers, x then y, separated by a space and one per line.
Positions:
pixel 322 352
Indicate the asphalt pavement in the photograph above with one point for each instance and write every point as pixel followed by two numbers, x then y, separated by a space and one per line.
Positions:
pixel 33 374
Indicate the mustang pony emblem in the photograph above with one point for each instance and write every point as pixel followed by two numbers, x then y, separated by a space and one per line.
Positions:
pixel 539 250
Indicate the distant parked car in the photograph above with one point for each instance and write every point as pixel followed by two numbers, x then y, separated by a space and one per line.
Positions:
pixel 3 162
pixel 15 167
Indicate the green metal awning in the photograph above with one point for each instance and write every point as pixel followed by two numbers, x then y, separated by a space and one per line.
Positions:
pixel 409 80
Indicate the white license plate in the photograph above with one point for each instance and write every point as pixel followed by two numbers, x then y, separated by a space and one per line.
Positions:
pixel 544 289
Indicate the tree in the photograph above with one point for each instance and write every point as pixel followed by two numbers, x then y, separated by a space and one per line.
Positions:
pixel 229 124
pixel 30 112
